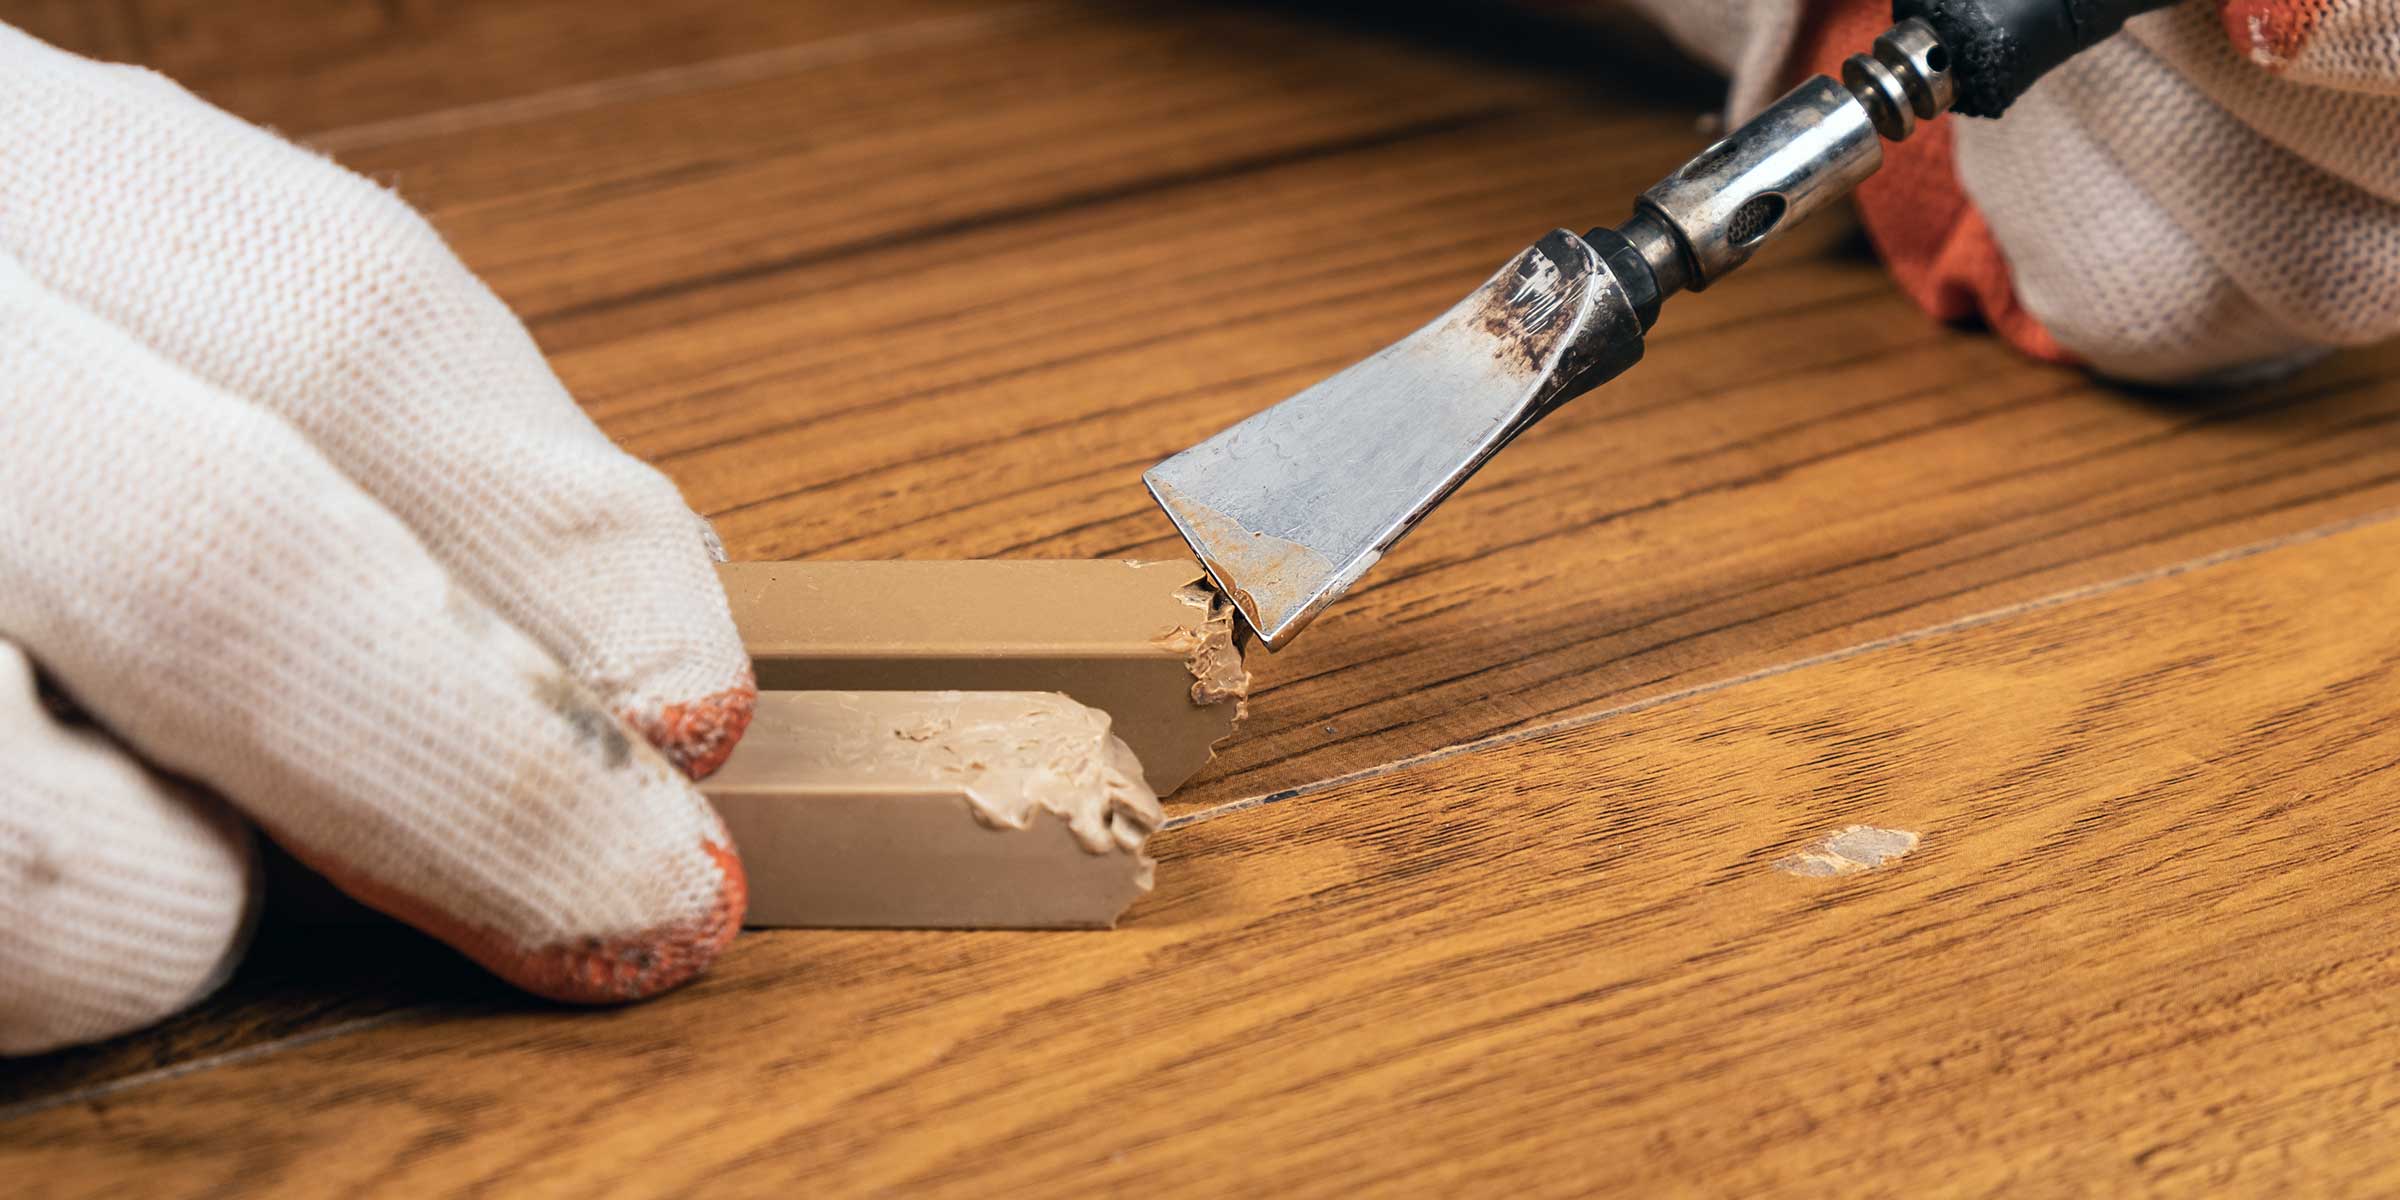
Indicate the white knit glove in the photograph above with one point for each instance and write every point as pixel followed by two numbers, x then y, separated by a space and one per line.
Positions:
pixel 291 505
pixel 2214 194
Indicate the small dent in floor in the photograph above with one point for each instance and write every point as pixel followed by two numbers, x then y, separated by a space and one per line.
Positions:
pixel 1849 850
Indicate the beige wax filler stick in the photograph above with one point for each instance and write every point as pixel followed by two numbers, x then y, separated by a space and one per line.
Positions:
pixel 931 810
pixel 970 744
pixel 1147 643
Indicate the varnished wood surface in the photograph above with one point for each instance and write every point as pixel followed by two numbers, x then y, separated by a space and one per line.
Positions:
pixel 938 279
pixel 2144 945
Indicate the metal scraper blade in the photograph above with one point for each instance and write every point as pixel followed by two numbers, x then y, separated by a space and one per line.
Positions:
pixel 1289 508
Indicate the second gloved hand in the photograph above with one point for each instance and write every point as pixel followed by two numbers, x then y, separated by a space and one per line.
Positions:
pixel 293 506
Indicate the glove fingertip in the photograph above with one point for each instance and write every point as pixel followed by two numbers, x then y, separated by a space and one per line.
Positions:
pixel 698 735
pixel 633 967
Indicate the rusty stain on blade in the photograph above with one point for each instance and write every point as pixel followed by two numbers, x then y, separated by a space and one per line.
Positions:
pixel 1261 573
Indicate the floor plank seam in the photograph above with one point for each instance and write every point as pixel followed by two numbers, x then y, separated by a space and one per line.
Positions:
pixel 1910 637
pixel 1004 217
pixel 730 71
pixel 101 1091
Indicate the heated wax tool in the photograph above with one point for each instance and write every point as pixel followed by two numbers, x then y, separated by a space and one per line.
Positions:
pixel 1289 508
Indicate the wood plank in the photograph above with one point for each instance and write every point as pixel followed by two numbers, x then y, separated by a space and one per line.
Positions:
pixel 577 216
pixel 1803 462
pixel 1080 236
pixel 2143 946
pixel 307 67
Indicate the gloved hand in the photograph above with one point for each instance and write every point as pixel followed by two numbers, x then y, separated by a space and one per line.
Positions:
pixel 2212 195
pixel 291 504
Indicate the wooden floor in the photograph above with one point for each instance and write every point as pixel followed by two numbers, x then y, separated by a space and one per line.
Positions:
pixel 1488 897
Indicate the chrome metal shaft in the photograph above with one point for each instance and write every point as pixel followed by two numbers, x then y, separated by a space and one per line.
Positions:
pixel 1806 151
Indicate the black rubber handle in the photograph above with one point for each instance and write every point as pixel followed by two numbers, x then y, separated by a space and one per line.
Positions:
pixel 2002 46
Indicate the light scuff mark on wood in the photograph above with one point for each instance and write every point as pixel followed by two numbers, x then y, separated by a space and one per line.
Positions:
pixel 1848 851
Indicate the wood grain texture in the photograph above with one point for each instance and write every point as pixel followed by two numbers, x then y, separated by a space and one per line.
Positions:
pixel 934 278
pixel 2143 947
pixel 310 66
pixel 969 341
